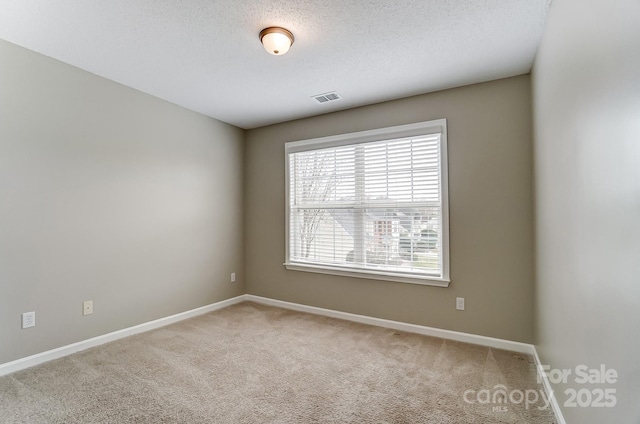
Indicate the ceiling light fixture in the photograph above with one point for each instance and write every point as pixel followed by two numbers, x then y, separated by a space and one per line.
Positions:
pixel 276 40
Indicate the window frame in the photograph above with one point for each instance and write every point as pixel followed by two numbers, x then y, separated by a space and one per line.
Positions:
pixel 438 126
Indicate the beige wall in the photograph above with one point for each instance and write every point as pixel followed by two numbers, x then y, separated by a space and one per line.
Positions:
pixel 490 183
pixel 110 195
pixel 587 154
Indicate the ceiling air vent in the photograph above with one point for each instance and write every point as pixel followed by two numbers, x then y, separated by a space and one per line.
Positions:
pixel 327 97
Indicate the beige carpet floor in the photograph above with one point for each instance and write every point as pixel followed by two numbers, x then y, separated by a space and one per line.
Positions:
pixel 251 363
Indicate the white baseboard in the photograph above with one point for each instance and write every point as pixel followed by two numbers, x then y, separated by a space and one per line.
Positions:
pixel 547 388
pixel 39 358
pixel 401 326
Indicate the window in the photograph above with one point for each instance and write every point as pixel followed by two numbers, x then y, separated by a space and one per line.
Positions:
pixel 371 204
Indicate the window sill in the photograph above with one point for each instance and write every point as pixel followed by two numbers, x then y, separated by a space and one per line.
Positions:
pixel 373 275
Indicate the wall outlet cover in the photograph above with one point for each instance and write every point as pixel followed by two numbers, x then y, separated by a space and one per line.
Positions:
pixel 28 319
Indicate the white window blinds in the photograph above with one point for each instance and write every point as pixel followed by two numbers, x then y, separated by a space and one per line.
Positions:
pixel 373 207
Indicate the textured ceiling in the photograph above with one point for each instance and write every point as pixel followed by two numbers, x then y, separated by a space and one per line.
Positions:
pixel 205 54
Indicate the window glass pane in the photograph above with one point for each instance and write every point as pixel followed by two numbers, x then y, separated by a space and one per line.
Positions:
pixel 323 235
pixel 404 240
pixel 373 206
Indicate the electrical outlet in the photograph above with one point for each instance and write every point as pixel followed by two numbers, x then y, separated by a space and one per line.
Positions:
pixel 460 303
pixel 87 307
pixel 28 319
pixel 233 277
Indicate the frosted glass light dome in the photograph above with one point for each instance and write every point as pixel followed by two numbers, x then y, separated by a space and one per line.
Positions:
pixel 276 41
